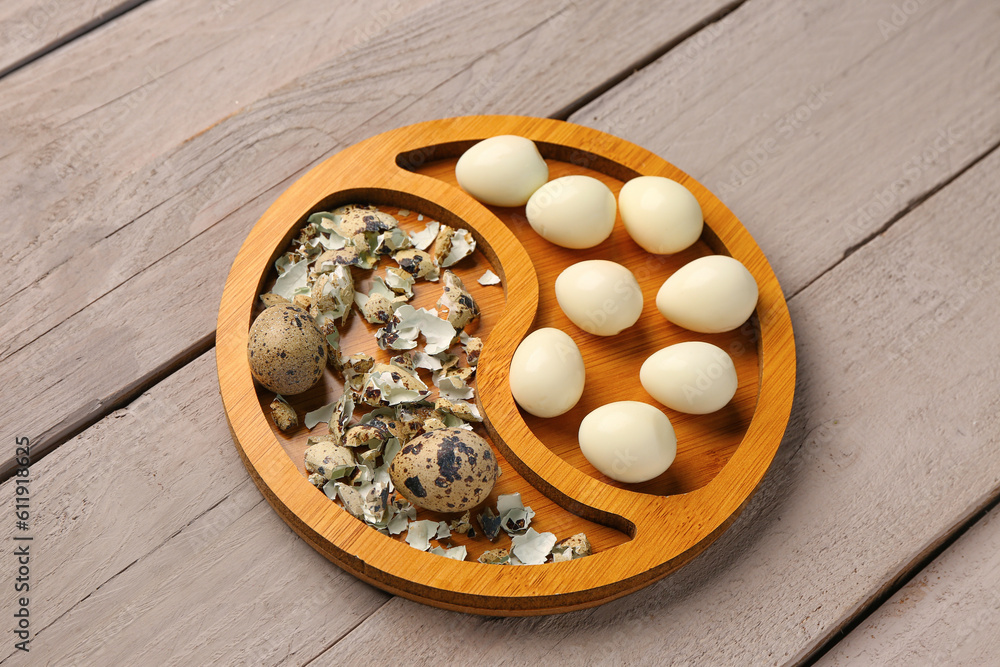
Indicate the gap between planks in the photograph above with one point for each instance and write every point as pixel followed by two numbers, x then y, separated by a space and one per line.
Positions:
pixel 62 40
pixel 646 61
pixel 905 576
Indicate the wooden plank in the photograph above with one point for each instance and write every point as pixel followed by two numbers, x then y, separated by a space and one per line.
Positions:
pixel 819 124
pixel 74 125
pixel 947 615
pixel 174 220
pixel 147 535
pixel 32 27
pixel 892 443
pixel 854 493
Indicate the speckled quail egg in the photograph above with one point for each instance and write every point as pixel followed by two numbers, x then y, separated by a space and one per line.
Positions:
pixel 502 171
pixel 600 297
pixel 573 211
pixel 445 470
pixel 660 214
pixel 286 350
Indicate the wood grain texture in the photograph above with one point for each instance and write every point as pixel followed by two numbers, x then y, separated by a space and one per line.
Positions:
pixel 167 221
pixel 77 123
pixel 916 97
pixel 764 592
pixel 666 530
pixel 816 124
pixel 947 615
pixel 891 444
pixel 152 547
pixel 29 27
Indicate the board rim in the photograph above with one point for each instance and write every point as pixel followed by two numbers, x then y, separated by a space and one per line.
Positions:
pixel 697 517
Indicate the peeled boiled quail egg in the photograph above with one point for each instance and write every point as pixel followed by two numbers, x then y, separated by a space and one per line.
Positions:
pixel 502 171
pixel 628 441
pixel 709 295
pixel 692 377
pixel 600 297
pixel 573 211
pixel 547 373
pixel 660 214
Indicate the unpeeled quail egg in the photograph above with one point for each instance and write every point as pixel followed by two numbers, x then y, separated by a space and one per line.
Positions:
pixel 693 377
pixel 600 297
pixel 445 470
pixel 628 441
pixel 573 211
pixel 547 373
pixel 502 171
pixel 286 350
pixel 660 214
pixel 709 295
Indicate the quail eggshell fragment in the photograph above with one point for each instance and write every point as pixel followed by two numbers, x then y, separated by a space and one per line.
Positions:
pixel 445 470
pixel 628 441
pixel 286 350
pixel 660 214
pixel 502 171
pixel 547 373
pixel 600 297
pixel 573 211
pixel 709 295
pixel 692 377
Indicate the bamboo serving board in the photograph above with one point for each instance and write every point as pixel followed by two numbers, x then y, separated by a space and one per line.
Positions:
pixel 640 532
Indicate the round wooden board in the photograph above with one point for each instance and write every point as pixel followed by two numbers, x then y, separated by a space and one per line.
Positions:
pixel 640 532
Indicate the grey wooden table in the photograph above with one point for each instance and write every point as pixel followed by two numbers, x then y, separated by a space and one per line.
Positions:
pixel 140 141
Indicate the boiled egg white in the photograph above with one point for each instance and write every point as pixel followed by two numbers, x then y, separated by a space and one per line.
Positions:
pixel 547 373
pixel 573 211
pixel 628 441
pixel 693 377
pixel 660 214
pixel 502 171
pixel 709 295
pixel 600 297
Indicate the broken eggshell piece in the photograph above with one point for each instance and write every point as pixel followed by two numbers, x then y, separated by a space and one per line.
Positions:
pixel 547 373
